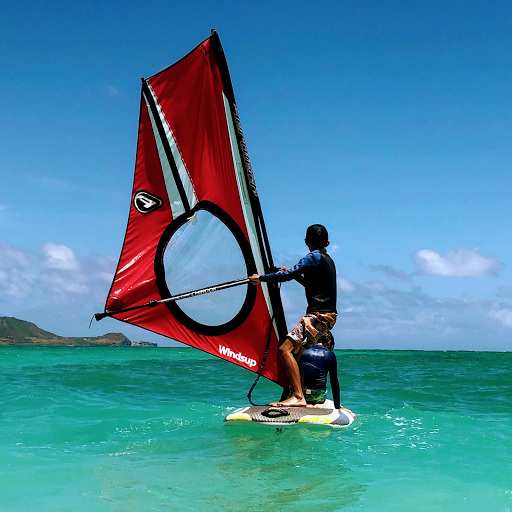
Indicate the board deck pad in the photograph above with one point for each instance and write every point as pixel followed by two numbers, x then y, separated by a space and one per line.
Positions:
pixel 287 415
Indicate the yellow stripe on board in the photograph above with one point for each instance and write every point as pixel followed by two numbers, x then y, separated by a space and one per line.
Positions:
pixel 238 416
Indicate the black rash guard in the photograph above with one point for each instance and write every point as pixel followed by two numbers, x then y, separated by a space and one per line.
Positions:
pixel 317 362
pixel 317 273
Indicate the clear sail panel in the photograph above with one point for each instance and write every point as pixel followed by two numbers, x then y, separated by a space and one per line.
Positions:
pixel 203 252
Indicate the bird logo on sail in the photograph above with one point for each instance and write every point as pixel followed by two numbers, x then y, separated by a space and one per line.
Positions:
pixel 145 202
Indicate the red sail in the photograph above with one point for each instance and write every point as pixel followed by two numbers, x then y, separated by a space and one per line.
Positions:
pixel 195 220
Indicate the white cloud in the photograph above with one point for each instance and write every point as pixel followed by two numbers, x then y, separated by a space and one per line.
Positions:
pixel 457 263
pixel 352 309
pixel 107 276
pixel 16 287
pixel 502 315
pixel 3 207
pixel 504 291
pixel 391 272
pixel 54 276
pixel 59 257
pixel 344 285
pixel 14 270
pixel 376 286
pixel 11 257
pixel 62 284
pixel 111 91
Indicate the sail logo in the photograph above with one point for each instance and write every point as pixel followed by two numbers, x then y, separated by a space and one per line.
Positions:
pixel 145 202
pixel 225 351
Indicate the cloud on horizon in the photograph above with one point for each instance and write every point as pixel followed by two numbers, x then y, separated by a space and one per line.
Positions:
pixel 344 284
pixel 502 315
pixel 377 315
pixel 52 275
pixel 59 290
pixel 14 268
pixel 59 257
pixel 457 263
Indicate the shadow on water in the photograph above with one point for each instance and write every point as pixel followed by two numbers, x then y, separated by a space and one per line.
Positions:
pixel 203 464
pixel 302 465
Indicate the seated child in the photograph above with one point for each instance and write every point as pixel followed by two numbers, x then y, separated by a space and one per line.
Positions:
pixel 317 362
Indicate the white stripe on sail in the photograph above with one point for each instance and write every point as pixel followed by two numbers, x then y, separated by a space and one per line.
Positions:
pixel 182 170
pixel 173 194
pixel 246 204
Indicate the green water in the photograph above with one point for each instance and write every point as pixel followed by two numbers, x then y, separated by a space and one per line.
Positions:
pixel 114 429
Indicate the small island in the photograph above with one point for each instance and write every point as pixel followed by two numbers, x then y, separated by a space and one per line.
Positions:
pixel 19 332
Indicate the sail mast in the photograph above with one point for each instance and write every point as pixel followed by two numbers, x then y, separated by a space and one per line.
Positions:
pixel 261 232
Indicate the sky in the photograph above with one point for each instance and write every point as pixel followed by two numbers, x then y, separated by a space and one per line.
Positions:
pixel 388 122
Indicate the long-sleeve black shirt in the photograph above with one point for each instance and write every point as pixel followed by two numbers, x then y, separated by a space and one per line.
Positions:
pixel 317 273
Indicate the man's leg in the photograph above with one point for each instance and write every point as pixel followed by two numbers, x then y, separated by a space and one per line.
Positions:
pixel 291 365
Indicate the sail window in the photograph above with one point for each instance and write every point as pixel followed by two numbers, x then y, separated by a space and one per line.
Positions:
pixel 204 252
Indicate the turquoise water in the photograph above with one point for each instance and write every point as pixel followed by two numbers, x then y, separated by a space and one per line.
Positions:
pixel 114 429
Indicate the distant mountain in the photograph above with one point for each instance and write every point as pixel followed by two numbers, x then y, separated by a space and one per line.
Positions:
pixel 20 332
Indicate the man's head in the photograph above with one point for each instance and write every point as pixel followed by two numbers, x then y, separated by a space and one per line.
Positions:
pixel 317 237
pixel 327 340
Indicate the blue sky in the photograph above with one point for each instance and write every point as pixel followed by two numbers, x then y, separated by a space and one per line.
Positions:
pixel 389 122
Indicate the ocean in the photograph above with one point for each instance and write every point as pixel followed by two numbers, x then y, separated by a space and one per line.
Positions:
pixel 140 429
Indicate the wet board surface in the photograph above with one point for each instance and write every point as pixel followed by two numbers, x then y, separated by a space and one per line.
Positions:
pixel 288 415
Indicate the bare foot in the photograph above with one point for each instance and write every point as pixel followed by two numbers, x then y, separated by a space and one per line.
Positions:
pixel 348 410
pixel 292 402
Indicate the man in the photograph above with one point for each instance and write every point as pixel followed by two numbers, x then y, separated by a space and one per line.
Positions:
pixel 317 273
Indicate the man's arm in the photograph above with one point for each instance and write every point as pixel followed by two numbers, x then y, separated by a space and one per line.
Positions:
pixel 312 259
pixel 300 279
pixel 255 278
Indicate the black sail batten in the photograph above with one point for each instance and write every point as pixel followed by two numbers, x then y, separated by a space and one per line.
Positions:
pixel 245 248
pixel 165 142
pixel 261 233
